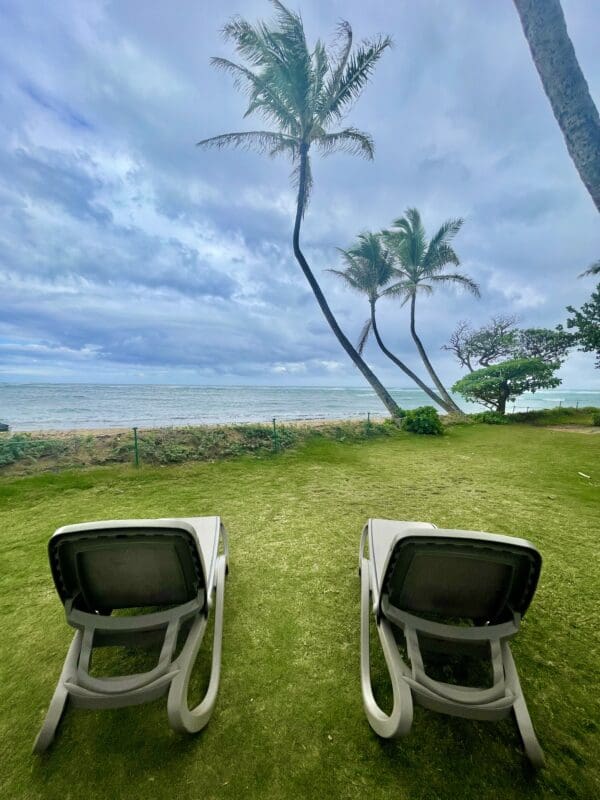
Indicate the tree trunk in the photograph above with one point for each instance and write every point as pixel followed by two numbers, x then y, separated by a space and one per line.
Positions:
pixel 503 397
pixel 385 397
pixel 423 386
pixel 565 85
pixel 428 365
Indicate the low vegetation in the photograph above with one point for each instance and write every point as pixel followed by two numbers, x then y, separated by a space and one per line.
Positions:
pixel 23 453
pixel 289 721
pixel 26 453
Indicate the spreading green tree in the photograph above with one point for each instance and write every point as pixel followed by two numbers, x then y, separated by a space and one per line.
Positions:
pixel 565 85
pixel 304 94
pixel 495 385
pixel 421 266
pixel 586 324
pixel 369 269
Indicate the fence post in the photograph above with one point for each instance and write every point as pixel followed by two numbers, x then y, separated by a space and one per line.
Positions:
pixel 368 422
pixel 135 447
pixel 275 442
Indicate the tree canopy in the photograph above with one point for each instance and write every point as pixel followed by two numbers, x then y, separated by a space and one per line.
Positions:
pixel 586 323
pixel 493 386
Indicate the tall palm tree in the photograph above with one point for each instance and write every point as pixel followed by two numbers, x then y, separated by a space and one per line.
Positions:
pixel 420 268
pixel 565 85
pixel 304 94
pixel 369 270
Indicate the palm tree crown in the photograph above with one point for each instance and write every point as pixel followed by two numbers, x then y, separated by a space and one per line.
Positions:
pixel 421 264
pixel 303 93
pixel 369 266
pixel 369 269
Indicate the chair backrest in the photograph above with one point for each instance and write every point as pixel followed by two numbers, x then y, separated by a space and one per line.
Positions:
pixel 461 574
pixel 126 564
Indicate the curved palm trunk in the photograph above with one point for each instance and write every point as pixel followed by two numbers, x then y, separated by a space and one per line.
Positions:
pixel 378 387
pixel 565 85
pixel 428 365
pixel 423 386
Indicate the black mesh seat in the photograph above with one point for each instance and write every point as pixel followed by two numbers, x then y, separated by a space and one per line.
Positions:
pixel 126 567
pixel 460 574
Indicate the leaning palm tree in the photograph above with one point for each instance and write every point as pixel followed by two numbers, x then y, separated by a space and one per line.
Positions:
pixel 304 94
pixel 420 268
pixel 369 270
pixel 565 85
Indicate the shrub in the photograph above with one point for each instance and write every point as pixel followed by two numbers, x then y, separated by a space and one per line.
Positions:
pixel 423 420
pixel 490 418
pixel 596 419
pixel 23 446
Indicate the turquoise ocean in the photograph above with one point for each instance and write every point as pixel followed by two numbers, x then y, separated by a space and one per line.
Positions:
pixel 30 407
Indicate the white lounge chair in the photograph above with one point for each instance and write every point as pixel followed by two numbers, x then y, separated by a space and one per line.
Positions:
pixel 170 564
pixel 445 591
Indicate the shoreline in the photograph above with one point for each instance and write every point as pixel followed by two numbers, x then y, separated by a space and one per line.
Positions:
pixel 65 433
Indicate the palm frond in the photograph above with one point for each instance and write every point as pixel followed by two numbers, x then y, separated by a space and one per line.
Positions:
pixel 250 42
pixel 281 52
pixel 435 259
pixel 294 62
pixel 395 289
pixel 263 95
pixel 348 140
pixel 358 69
pixel 446 232
pixel 320 67
pixel 462 280
pixel 348 277
pixel 363 337
pixel 593 269
pixel 261 141
pixel 330 89
pixel 439 252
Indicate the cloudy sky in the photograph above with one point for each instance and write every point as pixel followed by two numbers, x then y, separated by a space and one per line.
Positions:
pixel 128 255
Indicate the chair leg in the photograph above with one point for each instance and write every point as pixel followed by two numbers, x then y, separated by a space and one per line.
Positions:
pixel 182 718
pixel 532 747
pixel 399 722
pixel 59 699
pixel 361 552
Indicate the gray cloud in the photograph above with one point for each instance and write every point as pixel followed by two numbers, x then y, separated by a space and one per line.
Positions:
pixel 127 254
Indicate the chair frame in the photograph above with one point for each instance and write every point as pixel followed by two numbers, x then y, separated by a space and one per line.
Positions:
pixel 412 682
pixel 171 675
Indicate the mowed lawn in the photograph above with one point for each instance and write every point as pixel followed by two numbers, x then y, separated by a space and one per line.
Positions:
pixel 289 720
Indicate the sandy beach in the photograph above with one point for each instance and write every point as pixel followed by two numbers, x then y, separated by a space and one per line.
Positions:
pixel 107 433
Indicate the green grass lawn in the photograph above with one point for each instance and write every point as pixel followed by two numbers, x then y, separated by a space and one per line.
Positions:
pixel 289 720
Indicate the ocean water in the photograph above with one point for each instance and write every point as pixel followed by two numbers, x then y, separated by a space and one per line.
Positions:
pixel 29 407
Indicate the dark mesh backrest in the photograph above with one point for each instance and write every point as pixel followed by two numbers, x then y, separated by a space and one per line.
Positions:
pixel 460 578
pixel 126 567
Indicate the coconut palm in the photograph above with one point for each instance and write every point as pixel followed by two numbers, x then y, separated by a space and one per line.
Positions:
pixel 369 270
pixel 304 94
pixel 420 267
pixel 565 86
